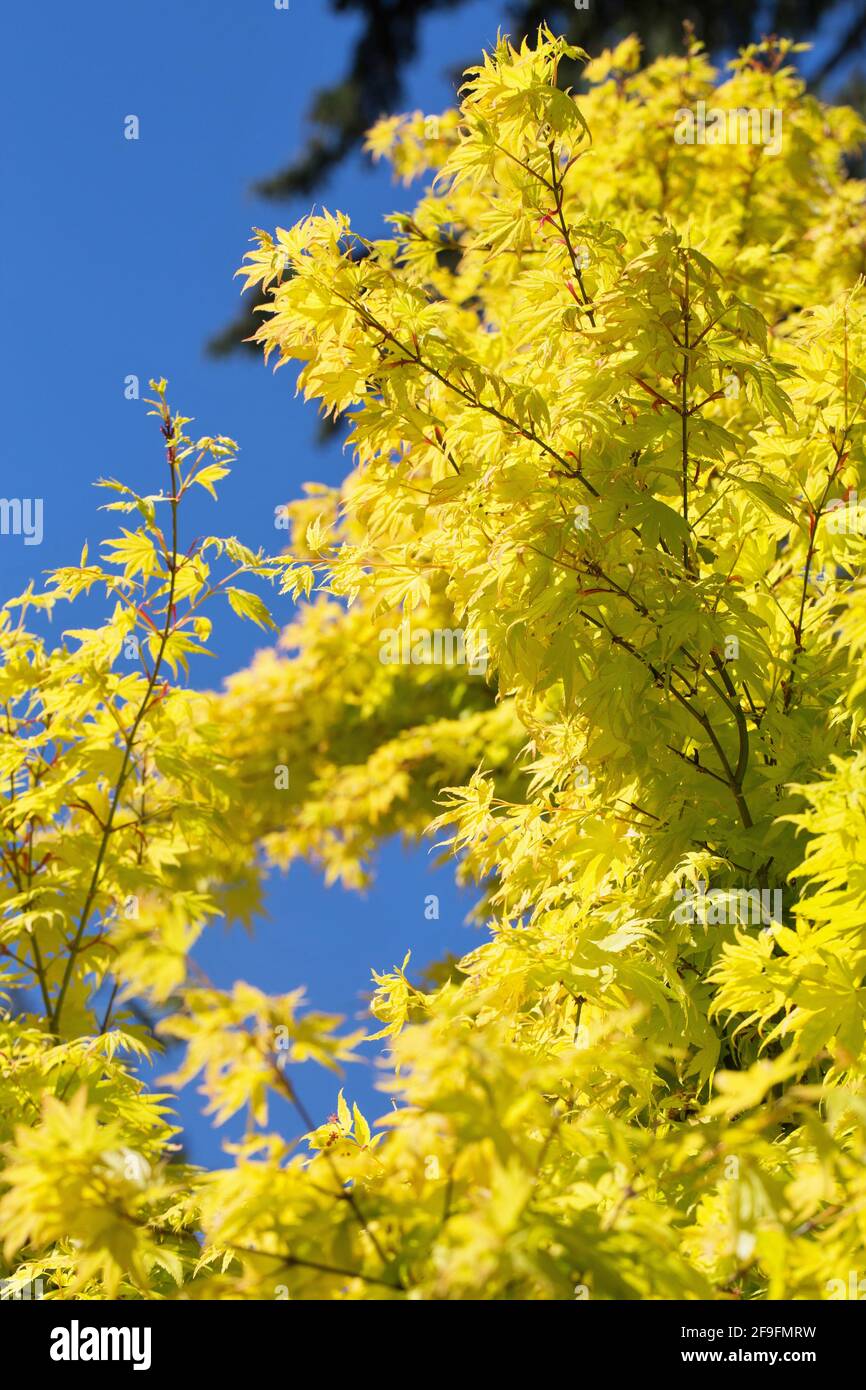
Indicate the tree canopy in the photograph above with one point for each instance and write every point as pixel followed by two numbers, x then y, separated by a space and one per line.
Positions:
pixel 606 391
pixel 390 34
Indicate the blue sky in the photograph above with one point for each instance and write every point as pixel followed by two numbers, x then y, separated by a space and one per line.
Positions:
pixel 118 259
